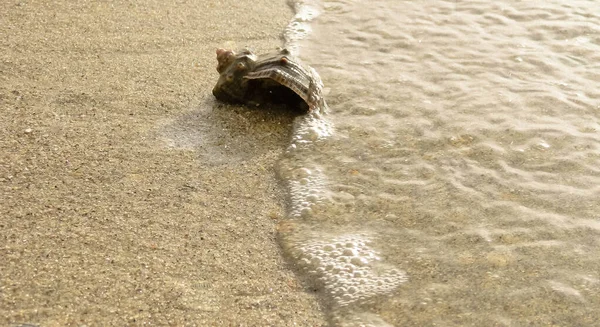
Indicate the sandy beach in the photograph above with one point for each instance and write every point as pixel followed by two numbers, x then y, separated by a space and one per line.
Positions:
pixel 128 195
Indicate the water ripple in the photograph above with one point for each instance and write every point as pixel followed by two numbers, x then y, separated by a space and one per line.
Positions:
pixel 467 145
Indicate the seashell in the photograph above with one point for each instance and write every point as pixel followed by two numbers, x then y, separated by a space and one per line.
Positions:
pixel 270 78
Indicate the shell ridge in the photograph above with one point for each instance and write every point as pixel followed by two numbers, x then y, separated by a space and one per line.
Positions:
pixel 282 78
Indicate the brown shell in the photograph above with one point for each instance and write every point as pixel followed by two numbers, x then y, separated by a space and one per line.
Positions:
pixel 247 78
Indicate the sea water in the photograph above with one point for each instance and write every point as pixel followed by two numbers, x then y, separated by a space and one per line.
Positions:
pixel 454 179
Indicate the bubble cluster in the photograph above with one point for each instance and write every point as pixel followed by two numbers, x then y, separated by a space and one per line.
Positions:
pixel 307 188
pixel 294 32
pixel 299 28
pixel 305 180
pixel 310 128
pixel 347 267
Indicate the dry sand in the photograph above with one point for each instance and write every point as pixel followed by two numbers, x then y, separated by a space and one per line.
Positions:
pixel 128 195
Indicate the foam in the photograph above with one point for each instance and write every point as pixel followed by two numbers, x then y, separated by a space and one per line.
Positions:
pixel 299 28
pixel 305 192
pixel 347 267
pixel 305 180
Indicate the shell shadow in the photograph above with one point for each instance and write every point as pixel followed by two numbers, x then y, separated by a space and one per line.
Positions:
pixel 224 133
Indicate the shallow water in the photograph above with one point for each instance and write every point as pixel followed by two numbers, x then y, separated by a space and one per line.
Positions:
pixel 455 178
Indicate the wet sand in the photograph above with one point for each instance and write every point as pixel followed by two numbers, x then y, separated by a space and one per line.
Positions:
pixel 128 195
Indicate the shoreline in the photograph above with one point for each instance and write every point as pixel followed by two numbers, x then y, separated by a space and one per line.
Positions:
pixel 130 196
